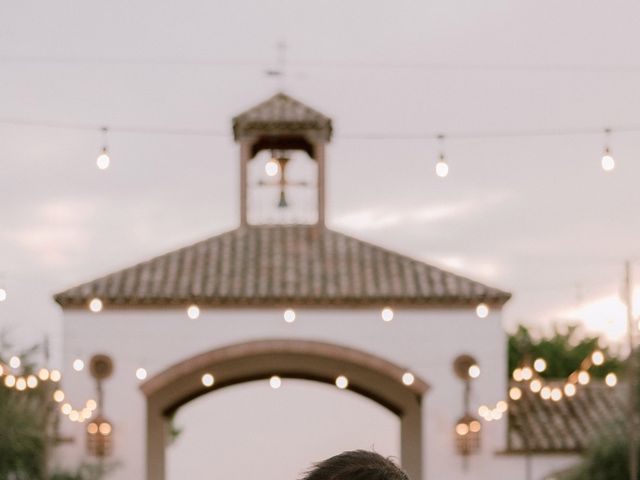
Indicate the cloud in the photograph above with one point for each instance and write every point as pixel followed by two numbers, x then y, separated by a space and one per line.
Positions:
pixel 379 218
pixel 58 232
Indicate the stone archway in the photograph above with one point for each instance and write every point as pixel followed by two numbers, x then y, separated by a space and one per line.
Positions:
pixel 369 375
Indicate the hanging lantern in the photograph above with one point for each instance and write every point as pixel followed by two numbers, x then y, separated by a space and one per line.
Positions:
pixel 100 437
pixel 468 435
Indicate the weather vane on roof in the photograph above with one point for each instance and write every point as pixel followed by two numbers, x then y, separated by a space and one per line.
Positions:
pixel 279 70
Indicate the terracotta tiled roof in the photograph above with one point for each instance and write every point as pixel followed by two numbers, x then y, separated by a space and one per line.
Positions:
pixel 538 425
pixel 281 114
pixel 283 265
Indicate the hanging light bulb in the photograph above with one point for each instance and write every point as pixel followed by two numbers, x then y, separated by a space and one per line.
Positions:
pixel 272 167
pixel 607 162
pixel 442 168
pixel 103 159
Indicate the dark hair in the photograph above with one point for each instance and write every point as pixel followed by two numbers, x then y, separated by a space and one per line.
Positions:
pixel 356 465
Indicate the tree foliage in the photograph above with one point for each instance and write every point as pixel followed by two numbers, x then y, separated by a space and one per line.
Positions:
pixel 563 352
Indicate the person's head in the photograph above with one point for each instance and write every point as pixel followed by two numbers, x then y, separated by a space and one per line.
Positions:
pixel 356 465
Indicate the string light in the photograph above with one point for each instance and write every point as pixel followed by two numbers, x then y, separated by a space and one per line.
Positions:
pixel 597 358
pixel 442 168
pixel 3 294
pixel 207 380
pixel 527 373
pixel 21 384
pixel 540 365
pixel 611 379
pixel 141 373
pixel 289 315
pixel 43 374
pixel 78 365
pixel 545 393
pixel 342 382
pixel 408 378
pixel 387 314
pixel 103 159
pixel 535 386
pixel 95 305
pixel 193 312
pixel 14 362
pixel 570 389
pixel 482 310
pixel 55 375
pixel 556 394
pixel 58 396
pixel 10 381
pixel 515 393
pixel 32 381
pixel 607 162
pixel 275 382
pixel 583 377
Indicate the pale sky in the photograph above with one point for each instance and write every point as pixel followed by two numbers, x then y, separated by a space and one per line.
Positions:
pixel 536 216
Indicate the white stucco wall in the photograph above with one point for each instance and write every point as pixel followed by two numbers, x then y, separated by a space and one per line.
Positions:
pixel 425 341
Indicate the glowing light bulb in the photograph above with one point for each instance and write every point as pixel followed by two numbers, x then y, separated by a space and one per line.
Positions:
pixel 462 429
pixel 55 375
pixel 597 357
pixel 608 163
pixel 105 428
pixel 408 378
pixel 483 411
pixel 78 365
pixel 103 159
pixel 74 416
pixel 3 294
pixel 272 167
pixel 442 168
pixel 66 408
pixel 502 406
pixel 14 362
pixel 92 428
pixel 21 384
pixel 58 396
pixel 95 305
pixel 387 314
pixel 43 374
pixel 342 382
pixel 207 380
pixel 474 371
pixel 556 394
pixel 32 381
pixel 275 382
pixel 584 377
pixel 141 373
pixel 545 393
pixel 496 414
pixel 475 426
pixel 91 404
pixel 515 393
pixel 482 310
pixel 193 312
pixel 540 365
pixel 611 379
pixel 517 375
pixel 527 373
pixel 535 385
pixel 289 315
pixel 570 389
pixel 10 381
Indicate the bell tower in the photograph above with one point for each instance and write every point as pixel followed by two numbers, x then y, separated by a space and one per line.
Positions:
pixel 282 126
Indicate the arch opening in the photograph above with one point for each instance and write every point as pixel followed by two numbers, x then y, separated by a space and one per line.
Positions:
pixel 368 375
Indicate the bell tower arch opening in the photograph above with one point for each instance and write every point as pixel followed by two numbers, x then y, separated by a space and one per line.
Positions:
pixel 282 126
